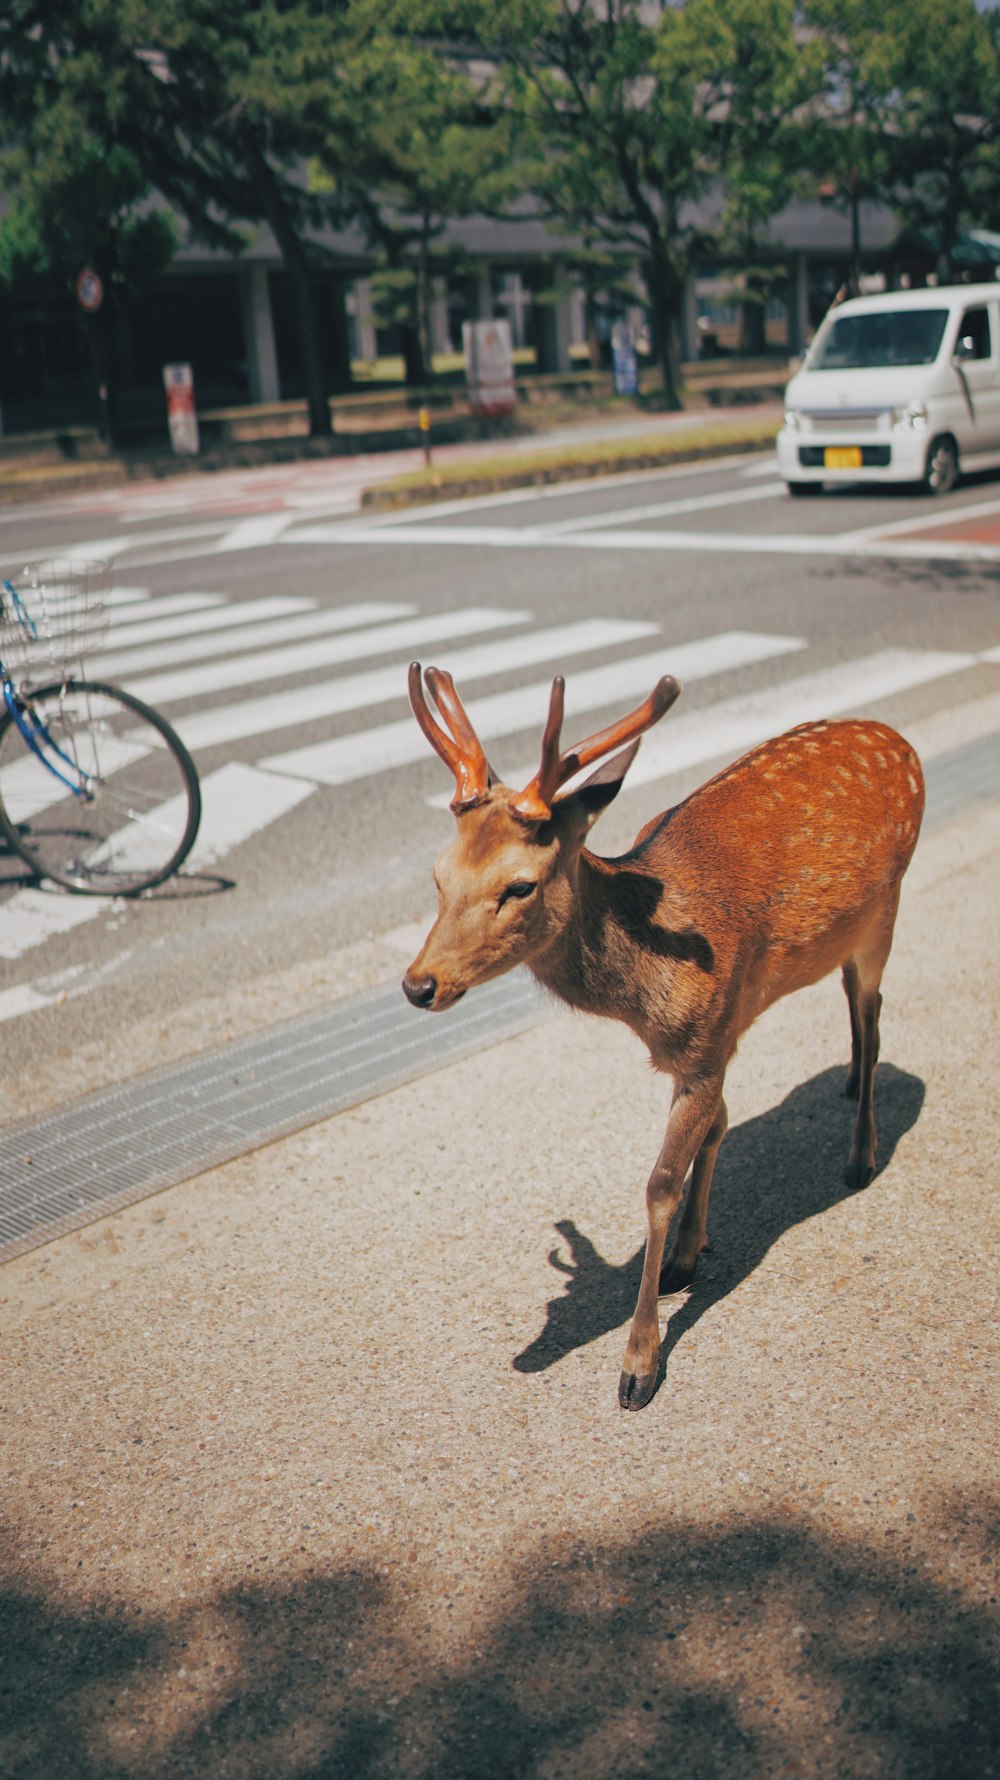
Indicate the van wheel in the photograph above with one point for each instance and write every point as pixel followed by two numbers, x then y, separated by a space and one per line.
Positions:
pixel 800 489
pixel 941 472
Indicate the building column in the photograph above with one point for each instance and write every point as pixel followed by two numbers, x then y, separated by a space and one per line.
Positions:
pixel 578 315
pixel 359 308
pixel 258 334
pixel 560 325
pixel 437 318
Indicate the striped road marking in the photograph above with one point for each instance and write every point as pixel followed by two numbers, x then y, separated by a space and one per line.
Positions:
pixel 375 750
pixel 726 730
pixel 497 537
pixel 276 663
pixel 356 692
pixel 117 658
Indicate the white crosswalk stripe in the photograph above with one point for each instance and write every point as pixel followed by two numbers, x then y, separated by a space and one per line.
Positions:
pixel 396 744
pixel 279 662
pixel 728 729
pixel 199 646
pixel 118 659
pixel 189 623
pixel 357 692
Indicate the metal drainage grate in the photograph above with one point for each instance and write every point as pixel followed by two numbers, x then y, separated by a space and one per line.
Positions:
pixel 61 1172
pixel 113 1148
pixel 962 780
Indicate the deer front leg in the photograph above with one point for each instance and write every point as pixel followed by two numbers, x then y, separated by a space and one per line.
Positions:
pixel 693 1114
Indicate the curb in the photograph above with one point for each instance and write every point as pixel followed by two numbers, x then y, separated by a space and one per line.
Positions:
pixel 26 483
pixel 384 498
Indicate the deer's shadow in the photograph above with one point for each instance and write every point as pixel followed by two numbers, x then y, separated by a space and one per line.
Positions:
pixel 773 1172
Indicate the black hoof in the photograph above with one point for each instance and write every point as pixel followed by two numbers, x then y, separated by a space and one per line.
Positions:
pixel 675 1278
pixel 858 1175
pixel 634 1392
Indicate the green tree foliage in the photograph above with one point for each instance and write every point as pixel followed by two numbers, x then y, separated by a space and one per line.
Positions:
pixel 612 134
pixel 233 100
pixel 414 141
pixel 909 113
pixel 620 118
pixel 78 195
pixel 761 76
pixel 632 113
pixel 947 117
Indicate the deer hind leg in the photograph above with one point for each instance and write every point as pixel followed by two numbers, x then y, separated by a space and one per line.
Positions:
pixel 862 979
pixel 861 1159
pixel 852 991
pixel 679 1267
pixel 694 1112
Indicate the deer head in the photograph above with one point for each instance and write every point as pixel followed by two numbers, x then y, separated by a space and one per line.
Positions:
pixel 507 884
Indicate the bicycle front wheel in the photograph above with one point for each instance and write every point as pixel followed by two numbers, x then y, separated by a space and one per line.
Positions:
pixel 128 816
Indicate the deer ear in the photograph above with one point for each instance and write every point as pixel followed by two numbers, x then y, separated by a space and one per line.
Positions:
pixel 594 795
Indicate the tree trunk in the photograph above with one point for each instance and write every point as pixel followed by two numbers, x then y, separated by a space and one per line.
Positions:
pixel 423 317
pixel 664 307
pixel 753 314
pixel 296 264
pixel 414 363
pixel 97 330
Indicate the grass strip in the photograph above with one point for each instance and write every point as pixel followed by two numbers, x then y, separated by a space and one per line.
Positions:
pixel 595 457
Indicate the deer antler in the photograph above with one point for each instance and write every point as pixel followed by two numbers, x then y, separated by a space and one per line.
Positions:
pixel 462 750
pixel 534 803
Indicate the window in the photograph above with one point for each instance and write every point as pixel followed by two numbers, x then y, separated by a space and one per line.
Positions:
pixel 974 335
pixel 883 337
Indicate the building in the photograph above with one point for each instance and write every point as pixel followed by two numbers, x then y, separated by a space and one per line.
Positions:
pixel 231 318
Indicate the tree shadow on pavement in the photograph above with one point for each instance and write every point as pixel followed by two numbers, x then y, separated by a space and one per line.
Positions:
pixel 773 1172
pixel 740 1651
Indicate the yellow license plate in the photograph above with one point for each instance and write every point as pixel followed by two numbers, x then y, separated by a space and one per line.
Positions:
pixel 842 457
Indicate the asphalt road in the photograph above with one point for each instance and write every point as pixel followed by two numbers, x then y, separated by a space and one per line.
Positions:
pixel 314 1463
pixel 323 803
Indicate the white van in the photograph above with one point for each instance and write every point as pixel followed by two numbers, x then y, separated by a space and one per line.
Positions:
pixel 900 387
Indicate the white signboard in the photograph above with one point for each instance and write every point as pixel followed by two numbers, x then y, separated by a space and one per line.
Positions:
pixel 489 366
pixel 182 418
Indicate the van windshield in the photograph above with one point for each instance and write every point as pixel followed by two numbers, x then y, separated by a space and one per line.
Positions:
pixel 887 337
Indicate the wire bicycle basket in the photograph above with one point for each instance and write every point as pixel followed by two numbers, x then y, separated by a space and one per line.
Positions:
pixel 52 614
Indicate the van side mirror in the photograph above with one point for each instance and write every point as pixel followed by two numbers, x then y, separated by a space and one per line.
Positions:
pixel 965 347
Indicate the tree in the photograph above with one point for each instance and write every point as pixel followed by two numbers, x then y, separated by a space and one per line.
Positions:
pixel 612 134
pixel 909 112
pixel 234 99
pixel 78 197
pixel 631 114
pixel 414 142
pixel 760 78
pixel 947 117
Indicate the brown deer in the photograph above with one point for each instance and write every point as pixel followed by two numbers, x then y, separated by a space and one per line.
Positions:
pixel 784 866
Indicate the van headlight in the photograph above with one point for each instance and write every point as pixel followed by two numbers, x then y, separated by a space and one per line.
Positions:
pixel 912 419
pixel 792 419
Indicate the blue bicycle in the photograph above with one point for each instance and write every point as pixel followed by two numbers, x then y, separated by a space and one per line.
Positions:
pixel 97 793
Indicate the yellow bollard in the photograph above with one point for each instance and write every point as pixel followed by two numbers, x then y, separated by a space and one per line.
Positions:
pixel 424 421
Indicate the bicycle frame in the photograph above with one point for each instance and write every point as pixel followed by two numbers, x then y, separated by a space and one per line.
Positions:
pixel 38 738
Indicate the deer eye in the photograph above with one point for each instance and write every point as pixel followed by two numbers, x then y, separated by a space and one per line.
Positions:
pixel 521 888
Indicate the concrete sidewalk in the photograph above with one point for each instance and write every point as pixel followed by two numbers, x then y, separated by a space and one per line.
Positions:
pixel 314 1465
pixel 379 454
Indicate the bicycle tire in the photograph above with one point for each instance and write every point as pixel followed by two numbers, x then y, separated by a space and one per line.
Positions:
pixel 142 818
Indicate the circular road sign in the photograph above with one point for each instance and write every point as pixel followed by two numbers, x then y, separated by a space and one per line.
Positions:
pixel 89 290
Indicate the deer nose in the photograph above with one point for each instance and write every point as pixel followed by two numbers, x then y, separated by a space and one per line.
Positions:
pixel 420 990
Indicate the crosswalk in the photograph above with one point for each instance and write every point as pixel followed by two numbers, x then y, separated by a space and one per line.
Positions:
pixel 250 674
pixel 324 513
